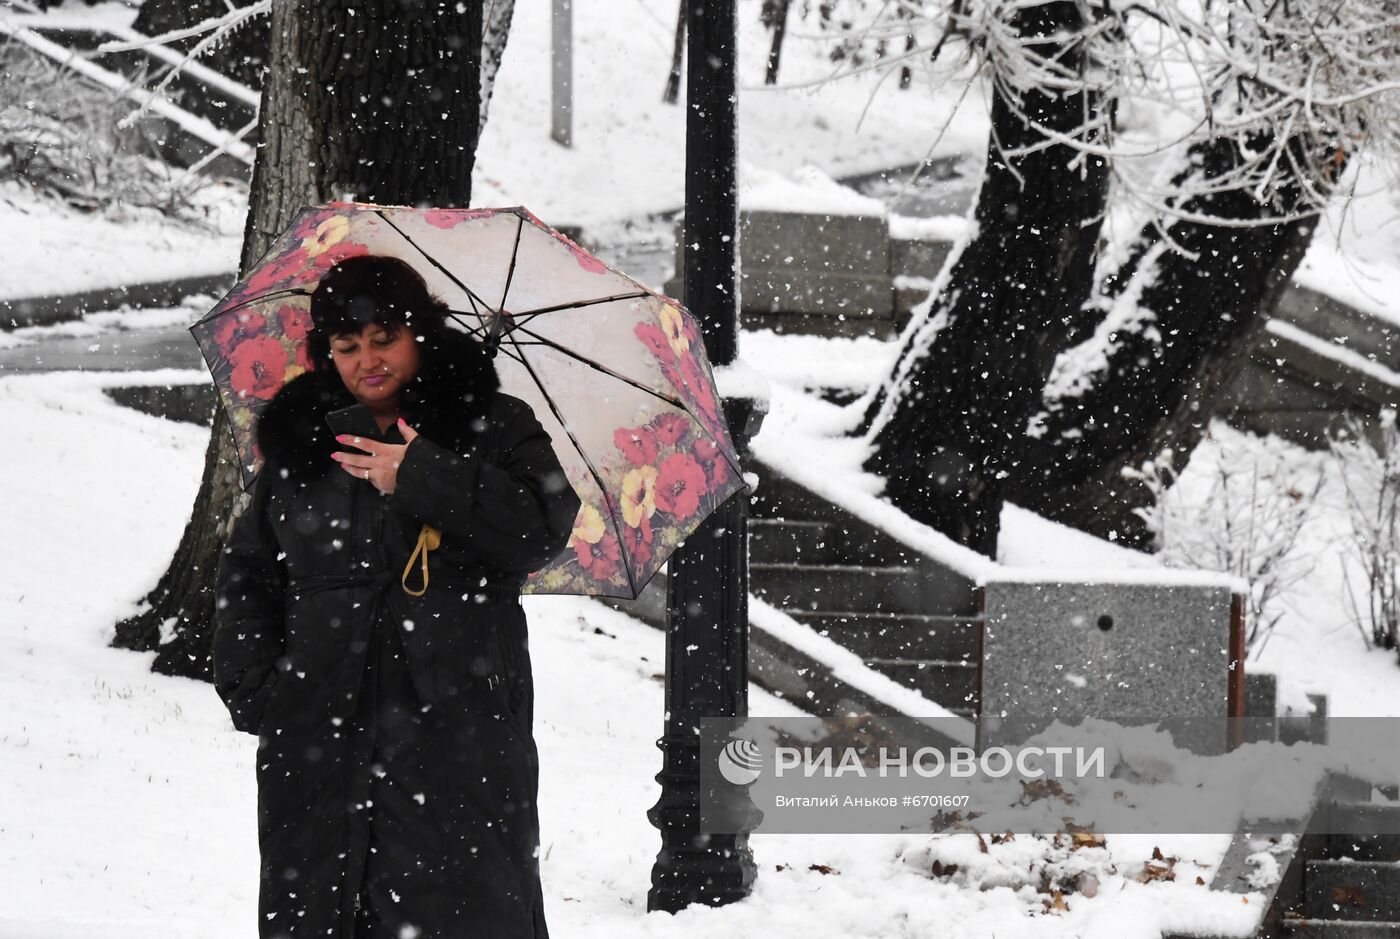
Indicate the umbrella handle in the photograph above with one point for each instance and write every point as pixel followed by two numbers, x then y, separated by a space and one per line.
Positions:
pixel 493 338
pixel 428 540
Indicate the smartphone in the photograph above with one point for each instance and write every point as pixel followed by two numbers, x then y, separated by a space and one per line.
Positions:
pixel 354 421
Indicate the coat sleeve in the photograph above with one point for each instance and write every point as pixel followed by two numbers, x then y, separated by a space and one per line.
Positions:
pixel 250 591
pixel 516 515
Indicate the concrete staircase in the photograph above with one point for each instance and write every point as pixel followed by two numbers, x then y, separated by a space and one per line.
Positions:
pixel 1352 891
pixel 905 616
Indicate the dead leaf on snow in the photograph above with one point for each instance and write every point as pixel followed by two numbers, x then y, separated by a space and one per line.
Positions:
pixel 1153 872
pixel 1044 789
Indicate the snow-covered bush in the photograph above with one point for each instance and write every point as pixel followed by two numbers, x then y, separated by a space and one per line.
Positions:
pixel 1239 508
pixel 59 135
pixel 1370 477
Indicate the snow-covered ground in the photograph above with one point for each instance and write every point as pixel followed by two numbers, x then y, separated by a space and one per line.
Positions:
pixel 127 799
pixel 52 250
pixel 628 156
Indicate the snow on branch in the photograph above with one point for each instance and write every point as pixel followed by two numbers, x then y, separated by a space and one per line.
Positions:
pixel 1303 85
pixel 214 30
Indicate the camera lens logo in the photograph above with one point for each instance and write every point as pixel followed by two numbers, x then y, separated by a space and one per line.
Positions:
pixel 740 762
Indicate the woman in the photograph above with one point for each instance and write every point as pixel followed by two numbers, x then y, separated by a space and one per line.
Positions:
pixel 396 767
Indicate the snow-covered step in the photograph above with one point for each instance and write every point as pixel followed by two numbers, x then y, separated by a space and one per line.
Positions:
pixel 1339 929
pixel 892 635
pixel 851 588
pixel 950 683
pixel 1372 832
pixel 1366 891
pixel 791 541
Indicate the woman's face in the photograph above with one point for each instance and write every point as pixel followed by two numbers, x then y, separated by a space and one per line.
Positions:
pixel 376 363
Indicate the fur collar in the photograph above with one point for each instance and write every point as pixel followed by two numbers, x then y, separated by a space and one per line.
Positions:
pixel 449 395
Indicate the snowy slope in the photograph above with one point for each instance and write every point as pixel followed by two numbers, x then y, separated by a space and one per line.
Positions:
pixel 127 799
pixel 629 147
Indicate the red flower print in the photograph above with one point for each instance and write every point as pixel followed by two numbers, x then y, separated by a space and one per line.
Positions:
pixel 585 260
pixel 668 427
pixel 442 218
pixel 680 482
pixel 716 466
pixel 601 560
pixel 258 367
pixel 334 255
pixel 448 218
pixel 701 391
pixel 274 273
pixel 295 320
pixel 656 342
pixel 233 328
pixel 638 444
pixel 638 544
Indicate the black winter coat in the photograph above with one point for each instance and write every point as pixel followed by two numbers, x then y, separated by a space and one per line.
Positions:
pixel 396 768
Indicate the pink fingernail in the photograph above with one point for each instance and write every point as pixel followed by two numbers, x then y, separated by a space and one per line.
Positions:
pixel 335 456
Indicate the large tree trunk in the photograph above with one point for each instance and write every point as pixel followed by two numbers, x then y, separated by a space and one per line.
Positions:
pixel 1172 332
pixel 495 32
pixel 378 101
pixel 947 424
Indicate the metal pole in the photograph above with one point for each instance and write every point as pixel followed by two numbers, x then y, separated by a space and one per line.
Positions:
pixel 707 577
pixel 562 74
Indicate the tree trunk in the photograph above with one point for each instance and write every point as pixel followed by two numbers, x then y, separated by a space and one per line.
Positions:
pixel 1184 327
pixel 495 32
pixel 947 424
pixel 378 101
pixel 775 13
pixel 673 81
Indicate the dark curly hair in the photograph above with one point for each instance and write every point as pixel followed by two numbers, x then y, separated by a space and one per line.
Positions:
pixel 369 289
pixel 390 293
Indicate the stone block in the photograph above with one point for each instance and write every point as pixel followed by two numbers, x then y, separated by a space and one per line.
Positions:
pixel 791 262
pixel 1137 654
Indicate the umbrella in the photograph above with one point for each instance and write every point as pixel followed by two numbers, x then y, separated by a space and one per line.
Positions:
pixel 615 372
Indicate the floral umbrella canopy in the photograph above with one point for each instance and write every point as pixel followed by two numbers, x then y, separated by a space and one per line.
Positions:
pixel 615 372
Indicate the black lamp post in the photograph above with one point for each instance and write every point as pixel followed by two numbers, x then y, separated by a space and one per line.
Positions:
pixel 707 577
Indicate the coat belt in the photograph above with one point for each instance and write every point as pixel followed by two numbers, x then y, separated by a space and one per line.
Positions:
pixel 419 667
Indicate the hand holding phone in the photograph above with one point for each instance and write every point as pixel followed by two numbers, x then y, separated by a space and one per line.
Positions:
pixel 354 421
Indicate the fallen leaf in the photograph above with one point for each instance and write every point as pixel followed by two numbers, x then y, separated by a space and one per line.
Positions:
pixel 1044 789
pixel 823 869
pixel 1349 896
pixel 1153 872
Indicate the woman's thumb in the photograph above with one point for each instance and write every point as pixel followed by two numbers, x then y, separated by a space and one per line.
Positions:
pixel 408 432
